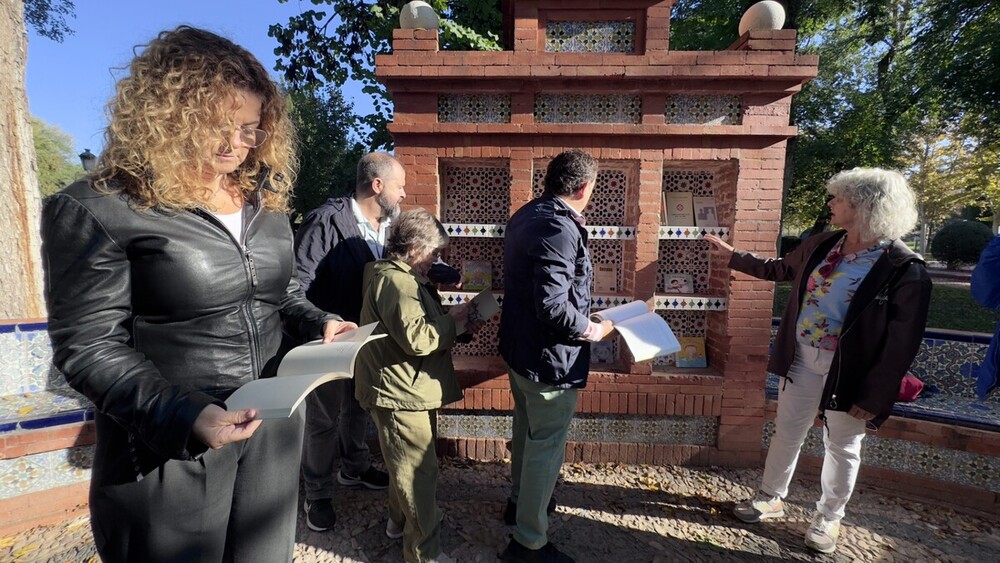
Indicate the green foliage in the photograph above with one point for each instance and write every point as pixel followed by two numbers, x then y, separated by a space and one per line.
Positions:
pixel 319 47
pixel 328 153
pixel 58 167
pixel 48 17
pixel 960 242
pixel 957 49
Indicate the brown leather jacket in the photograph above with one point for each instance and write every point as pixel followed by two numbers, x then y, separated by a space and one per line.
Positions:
pixel 882 329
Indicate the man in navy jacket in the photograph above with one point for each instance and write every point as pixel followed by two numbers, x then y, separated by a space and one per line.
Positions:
pixel 986 290
pixel 332 246
pixel 545 335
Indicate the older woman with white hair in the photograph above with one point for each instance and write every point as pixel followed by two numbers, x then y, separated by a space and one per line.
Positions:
pixel 405 378
pixel 853 324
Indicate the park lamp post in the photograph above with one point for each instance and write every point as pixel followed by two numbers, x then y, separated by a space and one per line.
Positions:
pixel 88 160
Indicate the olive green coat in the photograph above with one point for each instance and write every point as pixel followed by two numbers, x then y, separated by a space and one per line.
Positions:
pixel 410 369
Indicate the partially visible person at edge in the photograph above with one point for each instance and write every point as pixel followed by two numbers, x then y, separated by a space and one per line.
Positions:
pixel 545 336
pixel 405 378
pixel 332 247
pixel 851 329
pixel 986 291
pixel 166 271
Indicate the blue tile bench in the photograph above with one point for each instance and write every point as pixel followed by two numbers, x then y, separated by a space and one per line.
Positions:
pixel 46 439
pixel 33 394
pixel 945 364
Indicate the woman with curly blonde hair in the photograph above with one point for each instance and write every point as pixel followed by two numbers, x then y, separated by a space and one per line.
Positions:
pixel 167 274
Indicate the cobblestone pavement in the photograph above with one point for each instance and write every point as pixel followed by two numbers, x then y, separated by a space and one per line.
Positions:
pixel 614 513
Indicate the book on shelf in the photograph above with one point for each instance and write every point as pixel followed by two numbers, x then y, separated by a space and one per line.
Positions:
pixel 678 283
pixel 645 333
pixel 303 369
pixel 602 352
pixel 704 212
pixel 692 353
pixel 680 209
pixel 481 308
pixel 663 209
pixel 477 275
pixel 605 278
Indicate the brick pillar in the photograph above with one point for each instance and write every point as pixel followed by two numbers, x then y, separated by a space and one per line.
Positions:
pixel 414 40
pixel 658 26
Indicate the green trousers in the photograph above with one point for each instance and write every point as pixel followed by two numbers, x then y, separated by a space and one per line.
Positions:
pixel 407 442
pixel 541 421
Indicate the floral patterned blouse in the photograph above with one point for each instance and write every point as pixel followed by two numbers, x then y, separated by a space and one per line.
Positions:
pixel 829 291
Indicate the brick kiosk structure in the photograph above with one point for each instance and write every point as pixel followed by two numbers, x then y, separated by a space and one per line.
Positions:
pixel 475 131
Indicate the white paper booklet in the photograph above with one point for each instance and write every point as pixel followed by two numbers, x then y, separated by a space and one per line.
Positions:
pixel 481 307
pixel 303 369
pixel 645 333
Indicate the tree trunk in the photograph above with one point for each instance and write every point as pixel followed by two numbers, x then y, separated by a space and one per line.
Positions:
pixel 21 293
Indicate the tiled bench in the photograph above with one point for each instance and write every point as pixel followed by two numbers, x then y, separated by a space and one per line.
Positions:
pixel 944 446
pixel 945 363
pixel 46 437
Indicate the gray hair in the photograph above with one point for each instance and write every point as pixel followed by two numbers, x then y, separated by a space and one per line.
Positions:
pixel 414 233
pixel 374 165
pixel 885 206
pixel 568 170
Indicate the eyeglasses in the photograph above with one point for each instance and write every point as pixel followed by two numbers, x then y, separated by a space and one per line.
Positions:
pixel 251 137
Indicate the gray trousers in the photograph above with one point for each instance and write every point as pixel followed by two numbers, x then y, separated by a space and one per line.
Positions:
pixel 336 426
pixel 237 503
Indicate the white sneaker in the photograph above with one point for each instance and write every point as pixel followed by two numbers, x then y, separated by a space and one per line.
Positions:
pixel 441 558
pixel 822 534
pixel 393 530
pixel 760 507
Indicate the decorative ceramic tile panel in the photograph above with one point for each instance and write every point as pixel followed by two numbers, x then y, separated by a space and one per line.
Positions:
pixel 475 193
pixel 43 471
pixel 588 108
pixel 691 257
pixel 484 342
pixel 488 249
pixel 682 323
pixel 701 183
pixel 474 108
pixel 684 109
pixel 597 302
pixel 688 430
pixel 610 232
pixel 949 366
pixel 916 458
pixel 692 233
pixel 590 36
pixel 475 230
pixel 689 303
pixel 606 206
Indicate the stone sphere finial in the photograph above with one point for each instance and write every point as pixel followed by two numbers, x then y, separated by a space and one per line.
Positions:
pixel 417 15
pixel 763 15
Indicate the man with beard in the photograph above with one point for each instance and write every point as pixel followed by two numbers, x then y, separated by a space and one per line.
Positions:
pixel 332 246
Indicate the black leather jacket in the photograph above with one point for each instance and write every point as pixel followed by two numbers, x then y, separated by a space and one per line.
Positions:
pixel 155 315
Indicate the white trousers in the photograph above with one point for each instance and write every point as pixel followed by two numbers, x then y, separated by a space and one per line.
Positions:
pixel 798 404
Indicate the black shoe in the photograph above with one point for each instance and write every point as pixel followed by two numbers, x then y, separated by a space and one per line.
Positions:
pixel 517 553
pixel 510 512
pixel 320 516
pixel 372 478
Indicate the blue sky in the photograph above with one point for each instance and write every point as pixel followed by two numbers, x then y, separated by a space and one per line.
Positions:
pixel 69 83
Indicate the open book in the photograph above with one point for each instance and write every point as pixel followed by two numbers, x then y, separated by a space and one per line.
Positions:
pixel 645 333
pixel 481 307
pixel 303 369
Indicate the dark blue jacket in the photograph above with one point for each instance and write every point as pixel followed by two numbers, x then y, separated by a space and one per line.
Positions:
pixel 330 258
pixel 547 276
pixel 986 290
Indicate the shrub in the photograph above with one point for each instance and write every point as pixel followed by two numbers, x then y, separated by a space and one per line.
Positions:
pixel 961 242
